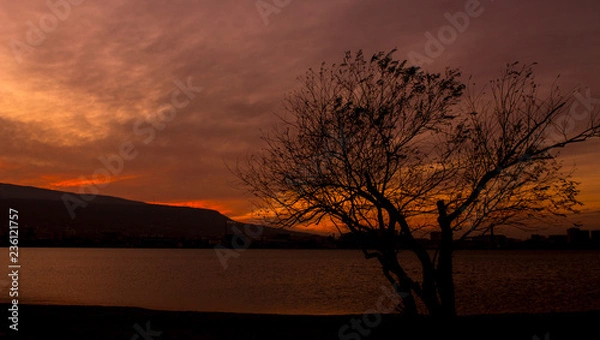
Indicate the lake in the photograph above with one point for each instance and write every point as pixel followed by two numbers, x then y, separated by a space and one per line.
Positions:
pixel 297 281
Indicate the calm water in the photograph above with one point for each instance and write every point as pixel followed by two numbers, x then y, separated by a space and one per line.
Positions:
pixel 298 281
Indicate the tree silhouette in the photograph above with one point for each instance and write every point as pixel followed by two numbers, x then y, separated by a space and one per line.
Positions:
pixel 383 149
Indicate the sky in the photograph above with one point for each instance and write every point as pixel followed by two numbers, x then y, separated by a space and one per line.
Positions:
pixel 83 82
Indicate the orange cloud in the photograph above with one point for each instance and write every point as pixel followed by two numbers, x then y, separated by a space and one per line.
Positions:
pixel 245 216
pixel 79 182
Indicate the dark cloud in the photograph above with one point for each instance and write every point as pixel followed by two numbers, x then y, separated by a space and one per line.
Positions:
pixel 76 96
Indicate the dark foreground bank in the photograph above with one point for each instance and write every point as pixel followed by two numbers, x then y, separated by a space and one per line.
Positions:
pixel 91 322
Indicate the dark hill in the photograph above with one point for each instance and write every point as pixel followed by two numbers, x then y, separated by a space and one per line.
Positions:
pixel 111 221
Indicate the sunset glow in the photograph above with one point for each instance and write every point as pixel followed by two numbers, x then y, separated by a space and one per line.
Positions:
pixel 103 76
pixel 300 169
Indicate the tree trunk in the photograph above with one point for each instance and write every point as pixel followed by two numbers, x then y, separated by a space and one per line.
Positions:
pixel 444 277
pixel 408 299
pixel 403 285
pixel 429 293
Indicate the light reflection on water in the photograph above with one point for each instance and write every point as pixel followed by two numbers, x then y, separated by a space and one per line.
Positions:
pixel 298 281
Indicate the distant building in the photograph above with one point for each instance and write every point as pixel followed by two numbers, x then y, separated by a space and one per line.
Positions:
pixel 595 236
pixel 537 241
pixel 558 240
pixel 585 236
pixel 537 237
pixel 577 237
pixel 435 236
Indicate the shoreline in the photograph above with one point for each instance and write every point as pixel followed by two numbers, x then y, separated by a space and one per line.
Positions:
pixel 98 322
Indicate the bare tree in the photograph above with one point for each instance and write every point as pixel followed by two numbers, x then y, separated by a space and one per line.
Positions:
pixel 383 149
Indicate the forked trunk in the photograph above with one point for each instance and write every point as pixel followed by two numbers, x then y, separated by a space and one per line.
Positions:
pixel 402 284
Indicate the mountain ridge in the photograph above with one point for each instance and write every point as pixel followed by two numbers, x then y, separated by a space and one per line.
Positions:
pixel 114 221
